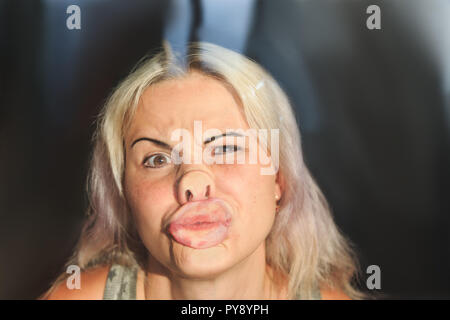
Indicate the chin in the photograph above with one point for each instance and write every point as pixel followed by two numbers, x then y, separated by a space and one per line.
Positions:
pixel 201 263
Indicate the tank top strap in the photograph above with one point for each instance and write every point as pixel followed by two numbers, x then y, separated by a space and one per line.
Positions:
pixel 316 295
pixel 121 283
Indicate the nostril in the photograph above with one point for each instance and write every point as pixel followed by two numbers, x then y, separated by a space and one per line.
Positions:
pixel 207 191
pixel 188 195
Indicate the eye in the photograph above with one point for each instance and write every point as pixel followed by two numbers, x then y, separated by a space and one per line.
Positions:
pixel 226 149
pixel 157 160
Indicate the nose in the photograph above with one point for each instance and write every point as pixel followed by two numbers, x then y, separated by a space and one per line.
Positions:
pixel 194 186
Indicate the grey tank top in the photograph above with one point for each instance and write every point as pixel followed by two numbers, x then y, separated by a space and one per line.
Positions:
pixel 121 284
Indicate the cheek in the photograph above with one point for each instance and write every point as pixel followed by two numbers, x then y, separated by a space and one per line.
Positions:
pixel 254 195
pixel 148 198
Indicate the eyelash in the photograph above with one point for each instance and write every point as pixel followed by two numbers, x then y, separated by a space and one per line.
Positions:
pixel 235 149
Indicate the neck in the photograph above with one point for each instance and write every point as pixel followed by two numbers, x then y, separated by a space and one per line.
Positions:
pixel 251 279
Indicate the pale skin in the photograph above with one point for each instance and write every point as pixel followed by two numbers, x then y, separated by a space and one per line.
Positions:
pixel 234 269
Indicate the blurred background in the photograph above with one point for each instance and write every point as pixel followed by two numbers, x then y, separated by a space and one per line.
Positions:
pixel 373 108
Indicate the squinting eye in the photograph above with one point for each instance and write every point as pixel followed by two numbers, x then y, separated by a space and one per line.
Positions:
pixel 226 149
pixel 157 160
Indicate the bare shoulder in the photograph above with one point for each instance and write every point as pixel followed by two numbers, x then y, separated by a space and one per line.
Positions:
pixel 92 284
pixel 334 294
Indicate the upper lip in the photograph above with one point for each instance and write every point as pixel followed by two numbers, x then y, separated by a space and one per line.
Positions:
pixel 183 215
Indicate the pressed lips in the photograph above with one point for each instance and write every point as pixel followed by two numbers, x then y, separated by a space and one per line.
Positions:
pixel 201 224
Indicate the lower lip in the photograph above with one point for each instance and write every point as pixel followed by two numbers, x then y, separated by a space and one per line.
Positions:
pixel 200 235
pixel 198 226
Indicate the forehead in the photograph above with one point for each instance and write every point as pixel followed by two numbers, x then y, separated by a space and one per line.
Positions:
pixel 177 103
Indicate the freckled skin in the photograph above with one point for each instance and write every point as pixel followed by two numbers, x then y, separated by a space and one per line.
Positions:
pixel 153 194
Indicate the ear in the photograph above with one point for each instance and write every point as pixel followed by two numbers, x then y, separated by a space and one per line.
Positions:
pixel 279 185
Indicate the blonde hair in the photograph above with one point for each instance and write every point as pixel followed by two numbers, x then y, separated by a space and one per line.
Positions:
pixel 304 244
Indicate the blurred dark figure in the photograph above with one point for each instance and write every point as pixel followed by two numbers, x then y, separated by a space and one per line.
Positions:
pixel 54 81
pixel 371 105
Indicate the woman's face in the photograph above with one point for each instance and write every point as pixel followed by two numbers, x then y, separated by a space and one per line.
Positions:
pixel 157 190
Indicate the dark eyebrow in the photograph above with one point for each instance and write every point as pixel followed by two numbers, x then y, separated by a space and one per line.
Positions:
pixel 230 133
pixel 166 146
pixel 157 142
